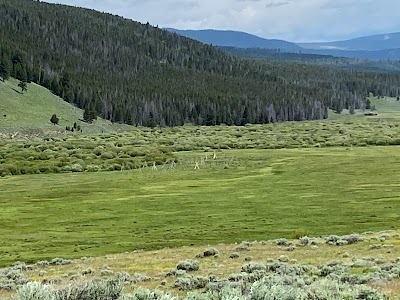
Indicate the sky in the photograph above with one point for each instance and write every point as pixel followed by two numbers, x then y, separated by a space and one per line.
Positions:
pixel 293 20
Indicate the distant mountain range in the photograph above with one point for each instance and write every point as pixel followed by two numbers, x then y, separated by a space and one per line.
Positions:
pixel 368 43
pixel 374 47
pixel 387 54
pixel 236 39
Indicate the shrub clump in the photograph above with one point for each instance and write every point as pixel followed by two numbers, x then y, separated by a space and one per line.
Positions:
pixel 242 247
pixel 60 261
pixel 210 252
pixel 123 277
pixel 283 258
pixel 254 266
pixel 343 240
pixel 186 283
pixel 76 168
pixel 188 265
pixel 283 242
pixel 99 290
pixel 34 291
pixel 13 277
pixel 42 264
pixel 139 277
pixel 88 271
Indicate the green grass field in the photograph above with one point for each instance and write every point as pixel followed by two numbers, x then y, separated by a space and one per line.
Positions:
pixel 34 108
pixel 276 180
pixel 249 195
pixel 59 198
pixel 385 107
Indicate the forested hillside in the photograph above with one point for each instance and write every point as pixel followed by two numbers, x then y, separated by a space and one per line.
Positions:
pixel 128 72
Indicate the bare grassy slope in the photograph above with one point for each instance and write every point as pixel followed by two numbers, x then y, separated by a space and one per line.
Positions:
pixel 33 109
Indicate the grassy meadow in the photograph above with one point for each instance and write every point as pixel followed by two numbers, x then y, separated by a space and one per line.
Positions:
pixel 173 191
pixel 242 195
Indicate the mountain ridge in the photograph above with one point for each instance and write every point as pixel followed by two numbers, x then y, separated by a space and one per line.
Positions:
pixel 376 42
pixel 231 38
pixel 368 47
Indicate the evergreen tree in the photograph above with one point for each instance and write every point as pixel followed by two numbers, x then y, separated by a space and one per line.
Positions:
pixel 54 119
pixel 23 86
pixel 89 115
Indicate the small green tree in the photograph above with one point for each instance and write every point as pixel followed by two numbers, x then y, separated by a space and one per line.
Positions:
pixel 23 86
pixel 89 115
pixel 54 119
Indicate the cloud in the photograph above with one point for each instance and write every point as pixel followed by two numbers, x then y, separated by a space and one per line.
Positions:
pixel 276 4
pixel 295 20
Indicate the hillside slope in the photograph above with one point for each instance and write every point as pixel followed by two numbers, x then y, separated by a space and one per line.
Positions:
pixel 33 109
pixel 229 38
pixel 139 74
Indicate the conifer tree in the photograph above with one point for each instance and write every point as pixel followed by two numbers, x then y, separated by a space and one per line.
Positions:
pixel 54 119
pixel 89 115
pixel 23 86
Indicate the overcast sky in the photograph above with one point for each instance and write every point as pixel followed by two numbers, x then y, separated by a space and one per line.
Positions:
pixel 294 20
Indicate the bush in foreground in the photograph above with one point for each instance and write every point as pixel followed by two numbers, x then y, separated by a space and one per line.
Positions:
pixel 188 265
pixel 96 290
pixel 267 287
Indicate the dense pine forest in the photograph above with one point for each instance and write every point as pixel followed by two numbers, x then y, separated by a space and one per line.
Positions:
pixel 138 74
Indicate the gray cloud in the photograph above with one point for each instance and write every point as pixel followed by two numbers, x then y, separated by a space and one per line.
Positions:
pixel 295 20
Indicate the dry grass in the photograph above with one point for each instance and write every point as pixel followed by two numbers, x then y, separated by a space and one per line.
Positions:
pixel 391 288
pixel 157 263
